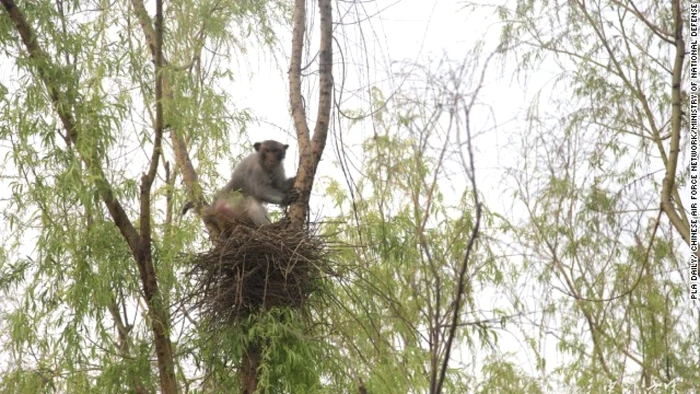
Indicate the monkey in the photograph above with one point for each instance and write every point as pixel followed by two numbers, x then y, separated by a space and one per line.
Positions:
pixel 259 178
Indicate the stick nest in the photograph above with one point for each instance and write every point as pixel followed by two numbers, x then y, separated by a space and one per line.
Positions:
pixel 250 269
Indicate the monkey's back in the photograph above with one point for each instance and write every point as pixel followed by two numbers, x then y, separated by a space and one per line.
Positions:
pixel 245 170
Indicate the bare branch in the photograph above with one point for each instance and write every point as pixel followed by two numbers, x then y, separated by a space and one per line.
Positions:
pixel 310 149
pixel 461 282
pixel 295 98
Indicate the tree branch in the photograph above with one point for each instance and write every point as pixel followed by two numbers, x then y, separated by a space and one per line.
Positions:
pixel 182 157
pixel 147 179
pixel 674 149
pixel 461 282
pixel 295 98
pixel 160 319
pixel 311 150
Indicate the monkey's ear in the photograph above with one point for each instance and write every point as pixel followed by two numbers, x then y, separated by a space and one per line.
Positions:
pixel 257 146
pixel 286 146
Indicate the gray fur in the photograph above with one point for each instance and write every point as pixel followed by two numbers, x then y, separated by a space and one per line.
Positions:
pixel 260 177
pixel 251 178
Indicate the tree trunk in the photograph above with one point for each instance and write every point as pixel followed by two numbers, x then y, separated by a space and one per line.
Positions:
pixel 249 369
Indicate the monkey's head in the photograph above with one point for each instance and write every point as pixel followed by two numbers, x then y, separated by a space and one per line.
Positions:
pixel 271 153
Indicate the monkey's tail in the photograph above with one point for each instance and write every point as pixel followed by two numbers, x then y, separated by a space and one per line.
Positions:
pixel 187 207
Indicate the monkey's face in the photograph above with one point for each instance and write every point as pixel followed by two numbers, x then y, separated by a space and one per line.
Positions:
pixel 271 153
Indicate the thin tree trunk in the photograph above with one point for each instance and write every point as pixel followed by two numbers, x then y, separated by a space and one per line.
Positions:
pixel 249 369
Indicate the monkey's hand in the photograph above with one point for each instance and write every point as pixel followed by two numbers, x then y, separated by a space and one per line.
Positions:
pixel 291 196
pixel 289 183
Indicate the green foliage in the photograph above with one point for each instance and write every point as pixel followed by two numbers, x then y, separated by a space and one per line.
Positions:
pixel 74 314
pixel 584 260
pixel 408 243
pixel 504 377
pixel 588 184
pixel 291 356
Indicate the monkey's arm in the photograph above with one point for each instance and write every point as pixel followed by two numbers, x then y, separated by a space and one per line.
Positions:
pixel 287 187
pixel 265 192
pixel 270 188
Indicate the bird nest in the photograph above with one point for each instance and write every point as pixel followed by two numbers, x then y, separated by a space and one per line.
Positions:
pixel 252 269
